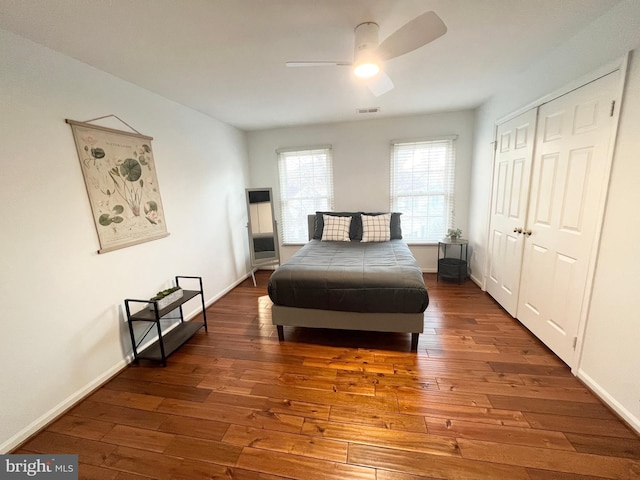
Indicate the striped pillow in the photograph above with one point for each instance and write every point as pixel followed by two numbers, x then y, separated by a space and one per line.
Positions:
pixel 376 228
pixel 336 229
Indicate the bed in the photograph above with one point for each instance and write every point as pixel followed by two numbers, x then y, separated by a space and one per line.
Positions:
pixel 355 273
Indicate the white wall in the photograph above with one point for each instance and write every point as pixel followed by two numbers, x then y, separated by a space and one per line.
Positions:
pixel 62 329
pixel 610 356
pixel 361 172
pixel 610 361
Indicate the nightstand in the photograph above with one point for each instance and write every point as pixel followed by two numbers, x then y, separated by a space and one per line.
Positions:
pixel 452 259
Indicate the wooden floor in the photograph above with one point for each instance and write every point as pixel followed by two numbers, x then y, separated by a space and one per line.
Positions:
pixel 481 399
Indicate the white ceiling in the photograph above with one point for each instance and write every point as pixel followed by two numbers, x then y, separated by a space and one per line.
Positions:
pixel 226 58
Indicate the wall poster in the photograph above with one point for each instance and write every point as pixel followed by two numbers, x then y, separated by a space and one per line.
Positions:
pixel 120 176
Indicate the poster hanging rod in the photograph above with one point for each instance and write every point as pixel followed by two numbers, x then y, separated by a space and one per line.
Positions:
pixel 107 129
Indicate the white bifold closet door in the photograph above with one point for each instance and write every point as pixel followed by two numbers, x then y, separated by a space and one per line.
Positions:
pixel 566 195
pixel 511 177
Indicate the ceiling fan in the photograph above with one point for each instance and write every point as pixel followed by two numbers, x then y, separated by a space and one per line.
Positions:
pixel 369 54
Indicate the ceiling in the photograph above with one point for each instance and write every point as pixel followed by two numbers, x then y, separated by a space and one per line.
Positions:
pixel 226 58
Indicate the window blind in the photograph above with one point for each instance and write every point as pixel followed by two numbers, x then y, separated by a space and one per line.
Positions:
pixel 306 186
pixel 422 188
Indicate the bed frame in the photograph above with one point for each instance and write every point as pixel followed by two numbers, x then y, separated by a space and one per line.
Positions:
pixel 377 322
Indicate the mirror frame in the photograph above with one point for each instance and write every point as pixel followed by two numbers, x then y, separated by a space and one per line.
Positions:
pixel 258 262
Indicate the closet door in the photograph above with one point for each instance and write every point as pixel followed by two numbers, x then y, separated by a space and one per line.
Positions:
pixel 511 176
pixel 568 188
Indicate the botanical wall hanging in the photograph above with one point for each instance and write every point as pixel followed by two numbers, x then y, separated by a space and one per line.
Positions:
pixel 120 175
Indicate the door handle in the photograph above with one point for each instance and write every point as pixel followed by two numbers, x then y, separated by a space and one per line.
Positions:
pixel 517 230
pixel 528 233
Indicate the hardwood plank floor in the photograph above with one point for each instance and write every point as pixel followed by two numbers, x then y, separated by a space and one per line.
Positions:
pixel 481 399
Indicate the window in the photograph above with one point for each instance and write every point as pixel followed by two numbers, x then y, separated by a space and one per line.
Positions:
pixel 422 188
pixel 306 186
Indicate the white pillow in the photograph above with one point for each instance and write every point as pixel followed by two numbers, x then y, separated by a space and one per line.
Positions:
pixel 336 229
pixel 376 228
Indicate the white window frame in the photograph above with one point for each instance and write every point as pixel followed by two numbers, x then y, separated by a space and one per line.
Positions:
pixel 306 186
pixel 423 187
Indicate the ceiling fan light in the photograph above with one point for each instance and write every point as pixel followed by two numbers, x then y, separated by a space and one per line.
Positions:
pixel 366 63
pixel 366 70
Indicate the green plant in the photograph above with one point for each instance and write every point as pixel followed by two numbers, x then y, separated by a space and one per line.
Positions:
pixel 454 233
pixel 107 219
pixel 128 184
pixel 164 293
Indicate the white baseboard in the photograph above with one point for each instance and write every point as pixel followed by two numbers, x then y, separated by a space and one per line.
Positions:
pixel 90 387
pixel 626 415
pixel 62 407
pixel 476 280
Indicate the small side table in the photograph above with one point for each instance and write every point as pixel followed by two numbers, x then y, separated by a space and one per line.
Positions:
pixel 454 265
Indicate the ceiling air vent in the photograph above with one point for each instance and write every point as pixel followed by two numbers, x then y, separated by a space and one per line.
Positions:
pixel 368 110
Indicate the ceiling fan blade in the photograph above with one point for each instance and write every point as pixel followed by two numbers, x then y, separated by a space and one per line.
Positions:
pixel 421 30
pixel 380 84
pixel 318 64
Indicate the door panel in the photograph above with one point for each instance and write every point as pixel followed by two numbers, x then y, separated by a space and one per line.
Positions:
pixel 563 278
pixel 575 190
pixel 537 288
pixel 517 178
pixel 544 201
pixel 567 188
pixel 512 171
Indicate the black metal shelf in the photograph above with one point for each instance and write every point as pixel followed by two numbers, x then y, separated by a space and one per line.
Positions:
pixel 172 340
pixel 149 314
pixel 168 341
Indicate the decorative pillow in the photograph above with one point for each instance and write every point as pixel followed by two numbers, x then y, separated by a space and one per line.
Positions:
pixel 336 229
pixel 355 231
pixel 395 227
pixel 376 228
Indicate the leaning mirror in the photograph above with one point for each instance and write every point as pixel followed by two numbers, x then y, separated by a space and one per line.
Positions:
pixel 263 232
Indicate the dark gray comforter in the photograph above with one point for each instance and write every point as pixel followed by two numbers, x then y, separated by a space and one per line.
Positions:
pixel 351 276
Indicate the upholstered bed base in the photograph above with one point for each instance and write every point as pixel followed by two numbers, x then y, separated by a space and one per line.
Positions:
pixel 377 322
pixel 410 321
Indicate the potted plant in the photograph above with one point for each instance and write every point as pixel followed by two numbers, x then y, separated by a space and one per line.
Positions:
pixel 165 297
pixel 454 234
